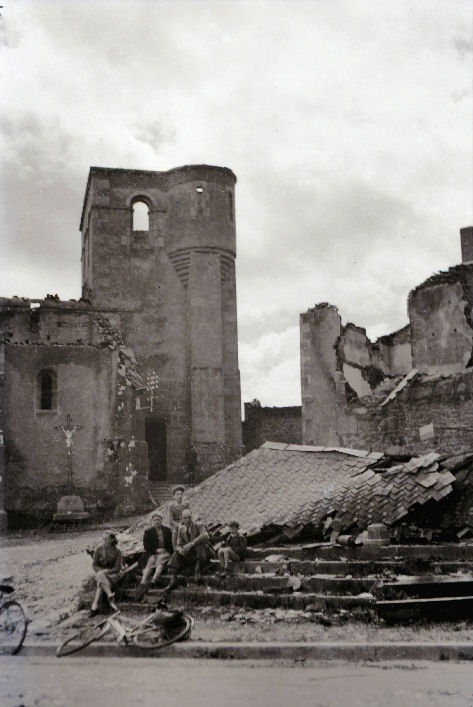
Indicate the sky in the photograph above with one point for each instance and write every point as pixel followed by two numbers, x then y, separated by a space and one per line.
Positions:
pixel 347 123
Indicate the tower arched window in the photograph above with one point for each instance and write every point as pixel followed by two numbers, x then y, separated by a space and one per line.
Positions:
pixel 140 216
pixel 46 390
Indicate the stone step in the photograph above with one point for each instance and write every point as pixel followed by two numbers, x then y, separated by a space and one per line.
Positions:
pixel 428 587
pixel 323 584
pixel 432 609
pixel 356 568
pixel 203 596
pixel 447 552
pixel 161 492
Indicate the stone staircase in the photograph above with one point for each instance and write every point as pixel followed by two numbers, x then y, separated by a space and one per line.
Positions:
pixel 399 583
pixel 162 492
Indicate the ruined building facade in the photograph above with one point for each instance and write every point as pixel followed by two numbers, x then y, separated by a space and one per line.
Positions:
pixel 145 364
pixel 407 392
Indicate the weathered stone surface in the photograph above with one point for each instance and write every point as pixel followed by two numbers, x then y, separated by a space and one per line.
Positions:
pixel 146 364
pixel 275 424
pixel 349 385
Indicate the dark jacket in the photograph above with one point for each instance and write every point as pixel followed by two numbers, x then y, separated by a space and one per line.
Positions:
pixel 237 543
pixel 108 559
pixel 151 540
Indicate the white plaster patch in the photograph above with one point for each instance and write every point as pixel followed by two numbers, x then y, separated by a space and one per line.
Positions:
pixel 131 472
pixel 356 381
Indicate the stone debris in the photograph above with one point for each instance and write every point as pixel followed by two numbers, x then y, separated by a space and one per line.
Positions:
pixel 279 486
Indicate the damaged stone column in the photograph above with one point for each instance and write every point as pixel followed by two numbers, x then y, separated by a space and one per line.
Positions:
pixel 3 513
pixel 466 236
pixel 320 330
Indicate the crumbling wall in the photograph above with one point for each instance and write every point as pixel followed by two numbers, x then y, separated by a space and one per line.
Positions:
pixel 443 405
pixel 274 424
pixel 395 352
pixel 433 355
pixel 340 364
pixel 320 330
pixel 441 322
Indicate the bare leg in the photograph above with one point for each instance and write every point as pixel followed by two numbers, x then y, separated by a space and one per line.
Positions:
pixel 160 565
pixel 150 565
pixel 97 597
pixel 104 583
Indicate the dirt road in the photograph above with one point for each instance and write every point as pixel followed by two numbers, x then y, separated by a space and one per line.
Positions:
pixel 47 573
pixel 121 682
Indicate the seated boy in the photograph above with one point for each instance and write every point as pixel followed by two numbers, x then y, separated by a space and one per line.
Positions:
pixel 233 548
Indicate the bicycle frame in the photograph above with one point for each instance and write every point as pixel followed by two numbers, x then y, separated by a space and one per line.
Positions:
pixel 124 635
pixel 146 634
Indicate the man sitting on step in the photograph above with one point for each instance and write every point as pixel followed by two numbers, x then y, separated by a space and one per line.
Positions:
pixel 192 549
pixel 157 543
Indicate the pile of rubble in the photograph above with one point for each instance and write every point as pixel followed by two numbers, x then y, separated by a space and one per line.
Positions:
pixel 354 506
pixel 296 491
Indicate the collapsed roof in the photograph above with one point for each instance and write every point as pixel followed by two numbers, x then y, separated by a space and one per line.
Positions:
pixel 294 486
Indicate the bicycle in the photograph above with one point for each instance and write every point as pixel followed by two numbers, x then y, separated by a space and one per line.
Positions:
pixel 159 629
pixel 13 623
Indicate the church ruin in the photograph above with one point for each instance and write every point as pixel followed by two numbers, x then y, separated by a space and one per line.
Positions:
pixel 145 364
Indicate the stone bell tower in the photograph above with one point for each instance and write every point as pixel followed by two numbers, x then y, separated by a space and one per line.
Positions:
pixel 158 260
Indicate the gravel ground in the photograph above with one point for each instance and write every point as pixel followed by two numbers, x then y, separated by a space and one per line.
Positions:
pixel 47 571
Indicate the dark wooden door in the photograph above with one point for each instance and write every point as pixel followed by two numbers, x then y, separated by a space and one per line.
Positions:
pixel 155 435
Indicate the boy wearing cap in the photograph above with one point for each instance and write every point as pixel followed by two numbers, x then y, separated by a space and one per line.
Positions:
pixel 233 547
pixel 157 543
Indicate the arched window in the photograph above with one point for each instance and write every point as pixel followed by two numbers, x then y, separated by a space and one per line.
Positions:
pixel 47 390
pixel 140 216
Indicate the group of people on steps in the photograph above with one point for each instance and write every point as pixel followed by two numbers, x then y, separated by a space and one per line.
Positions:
pixel 182 546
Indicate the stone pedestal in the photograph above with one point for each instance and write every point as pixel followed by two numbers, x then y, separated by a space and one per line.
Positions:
pixel 70 508
pixel 378 534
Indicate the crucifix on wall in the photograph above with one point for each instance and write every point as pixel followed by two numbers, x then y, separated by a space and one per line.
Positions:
pixel 68 431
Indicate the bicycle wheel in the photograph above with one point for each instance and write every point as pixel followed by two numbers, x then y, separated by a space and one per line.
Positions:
pixel 83 638
pixel 13 626
pixel 160 636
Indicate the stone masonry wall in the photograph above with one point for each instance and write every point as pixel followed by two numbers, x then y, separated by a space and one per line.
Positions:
pixel 173 288
pixel 445 402
pixel 271 424
pixel 441 321
pixel 95 384
pixel 339 364
pixel 349 394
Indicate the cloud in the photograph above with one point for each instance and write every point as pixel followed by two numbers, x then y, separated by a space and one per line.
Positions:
pixel 348 125
pixel 464 46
